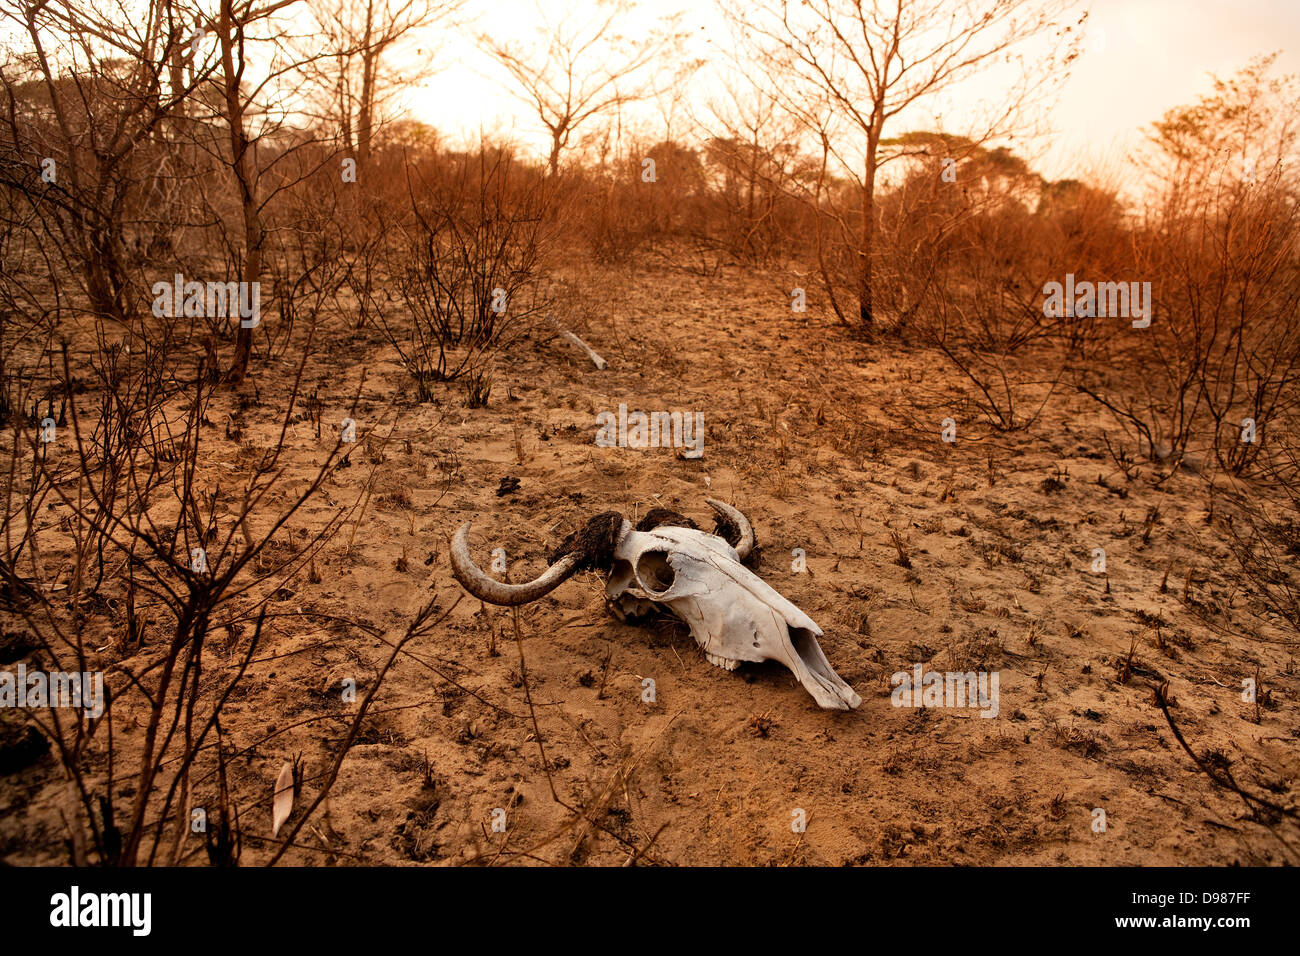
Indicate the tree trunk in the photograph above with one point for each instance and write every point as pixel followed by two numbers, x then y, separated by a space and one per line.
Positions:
pixel 865 313
pixel 176 68
pixel 553 163
pixel 750 223
pixel 366 110
pixel 366 107
pixel 817 223
pixel 246 179
pixel 252 273
pixel 343 97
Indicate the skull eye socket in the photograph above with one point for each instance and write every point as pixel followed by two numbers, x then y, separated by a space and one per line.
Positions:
pixel 654 572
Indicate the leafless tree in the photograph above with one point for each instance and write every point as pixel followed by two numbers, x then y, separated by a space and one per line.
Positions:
pixel 847 68
pixel 79 114
pixel 256 103
pixel 582 67
pixel 359 39
pixel 753 145
pixel 1219 243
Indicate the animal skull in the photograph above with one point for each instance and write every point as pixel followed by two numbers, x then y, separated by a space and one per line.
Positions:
pixel 733 615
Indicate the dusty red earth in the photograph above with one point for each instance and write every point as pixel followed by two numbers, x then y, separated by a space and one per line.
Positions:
pixel 830 444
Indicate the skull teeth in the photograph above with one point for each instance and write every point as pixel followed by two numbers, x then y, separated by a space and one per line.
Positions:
pixel 724 663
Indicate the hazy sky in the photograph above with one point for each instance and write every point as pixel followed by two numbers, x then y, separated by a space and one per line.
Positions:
pixel 1142 58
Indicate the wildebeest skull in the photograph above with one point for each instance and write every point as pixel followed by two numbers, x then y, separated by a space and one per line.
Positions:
pixel 667 561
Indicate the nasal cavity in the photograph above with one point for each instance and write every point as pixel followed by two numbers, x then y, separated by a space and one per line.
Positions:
pixel 654 572
pixel 803 642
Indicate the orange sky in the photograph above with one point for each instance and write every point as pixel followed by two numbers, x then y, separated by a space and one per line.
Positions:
pixel 1143 57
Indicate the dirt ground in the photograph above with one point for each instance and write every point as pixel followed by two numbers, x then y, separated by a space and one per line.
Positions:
pixel 829 444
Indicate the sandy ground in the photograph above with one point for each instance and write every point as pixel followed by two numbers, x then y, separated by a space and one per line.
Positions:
pixel 830 445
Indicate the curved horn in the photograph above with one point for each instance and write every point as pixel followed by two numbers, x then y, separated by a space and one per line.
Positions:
pixel 746 542
pixel 496 592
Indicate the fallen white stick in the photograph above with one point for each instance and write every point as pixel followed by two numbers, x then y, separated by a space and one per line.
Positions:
pixel 596 360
